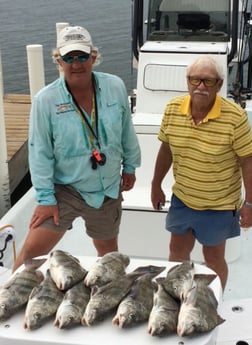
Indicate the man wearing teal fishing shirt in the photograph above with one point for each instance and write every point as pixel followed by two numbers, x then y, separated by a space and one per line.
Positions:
pixel 83 150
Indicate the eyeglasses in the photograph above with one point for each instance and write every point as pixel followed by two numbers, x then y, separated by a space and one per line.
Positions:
pixel 80 58
pixel 208 82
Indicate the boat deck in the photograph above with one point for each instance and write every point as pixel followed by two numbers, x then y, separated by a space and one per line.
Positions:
pixel 236 312
pixel 235 305
pixel 16 113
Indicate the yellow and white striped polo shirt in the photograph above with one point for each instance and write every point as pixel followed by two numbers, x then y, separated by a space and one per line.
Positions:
pixel 205 156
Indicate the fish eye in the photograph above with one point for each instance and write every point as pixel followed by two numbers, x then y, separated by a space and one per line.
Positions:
pixel 97 279
pixel 37 316
pixel 193 327
pixel 132 316
pixel 3 306
pixel 162 325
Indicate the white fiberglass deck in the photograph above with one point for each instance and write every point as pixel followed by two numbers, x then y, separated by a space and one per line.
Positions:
pixel 236 312
pixel 235 305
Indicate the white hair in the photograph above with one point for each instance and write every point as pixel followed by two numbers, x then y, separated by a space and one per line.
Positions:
pixel 208 61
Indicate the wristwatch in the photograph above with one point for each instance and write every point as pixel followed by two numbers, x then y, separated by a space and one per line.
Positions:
pixel 249 204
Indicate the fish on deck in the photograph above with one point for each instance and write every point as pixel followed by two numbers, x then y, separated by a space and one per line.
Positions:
pixel 198 312
pixel 137 304
pixel 65 269
pixel 73 305
pixel 104 299
pixel 107 268
pixel 15 292
pixel 163 317
pixel 179 279
pixel 43 303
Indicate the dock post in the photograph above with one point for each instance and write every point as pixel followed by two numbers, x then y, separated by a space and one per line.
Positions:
pixel 5 202
pixel 59 27
pixel 35 68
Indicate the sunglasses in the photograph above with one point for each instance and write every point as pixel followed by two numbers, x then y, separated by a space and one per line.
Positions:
pixel 208 82
pixel 79 58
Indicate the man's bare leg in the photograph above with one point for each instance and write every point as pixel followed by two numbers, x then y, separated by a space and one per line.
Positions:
pixel 181 246
pixel 39 241
pixel 215 259
pixel 106 246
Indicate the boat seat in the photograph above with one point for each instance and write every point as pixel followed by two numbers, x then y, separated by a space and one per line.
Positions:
pixel 193 21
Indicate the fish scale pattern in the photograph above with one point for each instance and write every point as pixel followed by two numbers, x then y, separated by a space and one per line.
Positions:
pixel 179 301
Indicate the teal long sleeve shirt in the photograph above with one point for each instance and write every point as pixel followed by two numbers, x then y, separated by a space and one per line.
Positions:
pixel 60 146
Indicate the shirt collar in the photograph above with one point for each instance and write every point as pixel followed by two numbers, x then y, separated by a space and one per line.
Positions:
pixel 63 81
pixel 214 112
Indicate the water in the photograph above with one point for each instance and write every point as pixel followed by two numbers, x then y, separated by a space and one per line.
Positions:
pixel 24 22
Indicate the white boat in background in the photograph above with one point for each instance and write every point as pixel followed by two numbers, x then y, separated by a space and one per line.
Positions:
pixel 176 33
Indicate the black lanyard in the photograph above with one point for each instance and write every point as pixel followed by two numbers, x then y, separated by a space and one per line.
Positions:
pixel 83 116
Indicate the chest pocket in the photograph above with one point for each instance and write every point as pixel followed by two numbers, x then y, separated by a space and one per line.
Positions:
pixel 70 135
pixel 110 124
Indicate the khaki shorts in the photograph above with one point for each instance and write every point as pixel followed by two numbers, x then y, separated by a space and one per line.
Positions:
pixel 101 224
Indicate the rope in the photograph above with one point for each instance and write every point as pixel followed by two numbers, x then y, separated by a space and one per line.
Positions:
pixel 8 238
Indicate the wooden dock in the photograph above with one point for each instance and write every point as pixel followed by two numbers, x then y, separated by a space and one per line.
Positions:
pixel 16 112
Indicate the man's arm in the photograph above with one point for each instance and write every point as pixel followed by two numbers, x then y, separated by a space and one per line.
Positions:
pixel 246 210
pixel 162 166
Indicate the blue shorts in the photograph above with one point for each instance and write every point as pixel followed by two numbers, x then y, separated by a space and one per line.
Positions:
pixel 209 227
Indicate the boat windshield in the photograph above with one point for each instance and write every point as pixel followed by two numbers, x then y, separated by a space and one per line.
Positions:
pixel 192 20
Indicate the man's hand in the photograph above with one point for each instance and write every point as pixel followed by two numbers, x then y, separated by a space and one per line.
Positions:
pixel 245 217
pixel 127 182
pixel 42 213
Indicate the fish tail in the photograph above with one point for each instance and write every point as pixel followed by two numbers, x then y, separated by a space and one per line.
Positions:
pixel 204 278
pixel 34 263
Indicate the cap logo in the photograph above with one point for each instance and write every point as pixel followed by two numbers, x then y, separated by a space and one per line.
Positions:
pixel 75 37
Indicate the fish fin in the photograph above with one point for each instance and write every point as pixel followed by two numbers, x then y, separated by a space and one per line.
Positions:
pixel 34 291
pixel 56 322
pixel 74 258
pixel 204 278
pixel 115 320
pixel 220 320
pixel 40 276
pixel 173 268
pixel 160 280
pixel 34 263
pixel 84 322
pixel 189 263
pixel 154 285
pixel 191 296
pixel 94 289
pixel 149 269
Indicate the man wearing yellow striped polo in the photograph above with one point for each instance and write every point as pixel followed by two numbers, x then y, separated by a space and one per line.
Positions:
pixel 208 141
